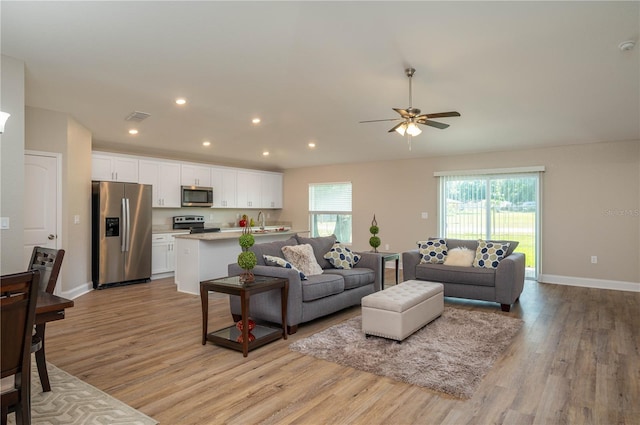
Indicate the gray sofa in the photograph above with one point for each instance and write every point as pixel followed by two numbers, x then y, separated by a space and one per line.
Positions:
pixel 503 284
pixel 319 295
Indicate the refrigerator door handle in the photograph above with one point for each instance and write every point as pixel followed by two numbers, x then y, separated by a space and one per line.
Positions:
pixel 123 226
pixel 128 234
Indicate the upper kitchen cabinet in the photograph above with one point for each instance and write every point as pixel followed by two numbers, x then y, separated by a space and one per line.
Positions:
pixel 196 175
pixel 249 189
pixel 271 190
pixel 165 179
pixel 224 182
pixel 114 168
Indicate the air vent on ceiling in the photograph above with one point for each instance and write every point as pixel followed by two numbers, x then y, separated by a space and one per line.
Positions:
pixel 137 116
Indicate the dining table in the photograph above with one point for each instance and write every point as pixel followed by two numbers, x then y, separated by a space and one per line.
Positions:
pixel 49 308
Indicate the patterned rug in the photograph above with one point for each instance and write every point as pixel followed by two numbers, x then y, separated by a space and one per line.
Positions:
pixel 451 354
pixel 72 401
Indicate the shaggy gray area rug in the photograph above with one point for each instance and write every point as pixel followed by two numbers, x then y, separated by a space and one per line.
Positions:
pixel 72 401
pixel 451 354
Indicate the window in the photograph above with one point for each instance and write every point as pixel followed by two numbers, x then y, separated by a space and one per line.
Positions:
pixel 330 210
pixel 495 205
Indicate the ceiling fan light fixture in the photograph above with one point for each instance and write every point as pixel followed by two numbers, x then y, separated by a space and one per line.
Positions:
pixel 413 129
pixel 401 130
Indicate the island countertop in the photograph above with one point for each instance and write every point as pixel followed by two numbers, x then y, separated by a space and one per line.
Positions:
pixel 216 236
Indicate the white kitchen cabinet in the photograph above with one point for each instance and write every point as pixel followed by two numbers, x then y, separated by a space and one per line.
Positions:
pixel 249 189
pixel 163 257
pixel 271 196
pixel 165 179
pixel 196 175
pixel 114 168
pixel 224 181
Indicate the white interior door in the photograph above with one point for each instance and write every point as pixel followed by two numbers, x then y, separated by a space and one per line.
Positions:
pixel 40 203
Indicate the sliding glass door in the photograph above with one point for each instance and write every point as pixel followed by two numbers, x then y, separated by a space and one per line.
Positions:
pixel 493 206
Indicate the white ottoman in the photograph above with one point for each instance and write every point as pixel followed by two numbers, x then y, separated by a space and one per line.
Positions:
pixel 400 310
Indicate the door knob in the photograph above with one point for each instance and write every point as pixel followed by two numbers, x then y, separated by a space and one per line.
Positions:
pixel 51 237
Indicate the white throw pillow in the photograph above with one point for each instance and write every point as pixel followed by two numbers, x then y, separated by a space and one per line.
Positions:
pixel 302 258
pixel 461 256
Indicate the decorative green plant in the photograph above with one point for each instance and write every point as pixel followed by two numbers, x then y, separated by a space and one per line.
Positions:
pixel 374 240
pixel 247 259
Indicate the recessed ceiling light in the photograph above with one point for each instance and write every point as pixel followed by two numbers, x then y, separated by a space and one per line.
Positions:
pixel 133 131
pixel 206 143
pixel 256 120
pixel 312 145
pixel 181 101
pixel 265 153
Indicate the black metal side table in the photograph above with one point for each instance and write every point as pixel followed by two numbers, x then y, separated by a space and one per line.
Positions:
pixel 389 256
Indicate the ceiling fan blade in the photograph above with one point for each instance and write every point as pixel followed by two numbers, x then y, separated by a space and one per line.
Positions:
pixel 435 124
pixel 394 128
pixel 403 112
pixel 390 119
pixel 441 115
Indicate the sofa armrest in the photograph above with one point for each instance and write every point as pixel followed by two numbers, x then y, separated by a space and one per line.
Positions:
pixel 510 278
pixel 410 259
pixel 294 303
pixel 371 261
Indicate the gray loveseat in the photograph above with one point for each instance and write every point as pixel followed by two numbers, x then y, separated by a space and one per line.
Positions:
pixel 503 284
pixel 319 295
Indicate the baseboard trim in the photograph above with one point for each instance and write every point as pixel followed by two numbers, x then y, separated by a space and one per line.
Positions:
pixel 615 285
pixel 78 291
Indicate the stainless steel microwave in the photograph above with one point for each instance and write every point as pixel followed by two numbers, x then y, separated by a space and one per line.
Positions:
pixel 194 196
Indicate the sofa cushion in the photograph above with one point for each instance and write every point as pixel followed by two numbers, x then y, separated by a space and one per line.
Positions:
pixel 354 278
pixel 273 249
pixel 472 244
pixel 320 245
pixel 321 285
pixel 341 257
pixel 302 258
pixel 432 251
pixel 489 254
pixel 461 256
pixel 456 274
pixel 281 262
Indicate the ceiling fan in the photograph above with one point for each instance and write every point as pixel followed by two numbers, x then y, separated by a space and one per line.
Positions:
pixel 410 117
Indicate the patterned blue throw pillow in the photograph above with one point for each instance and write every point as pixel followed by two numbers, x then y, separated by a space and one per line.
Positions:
pixel 342 257
pixel 433 251
pixel 489 254
pixel 281 262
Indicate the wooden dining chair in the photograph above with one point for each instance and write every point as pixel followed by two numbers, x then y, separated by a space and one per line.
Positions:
pixel 18 297
pixel 48 262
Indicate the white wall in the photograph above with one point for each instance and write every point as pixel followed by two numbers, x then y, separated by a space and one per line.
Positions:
pixel 12 165
pixel 51 131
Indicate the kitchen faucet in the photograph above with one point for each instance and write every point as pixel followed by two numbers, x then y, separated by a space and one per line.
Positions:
pixel 261 220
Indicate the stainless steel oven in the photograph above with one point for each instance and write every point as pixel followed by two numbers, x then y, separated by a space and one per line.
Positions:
pixel 195 196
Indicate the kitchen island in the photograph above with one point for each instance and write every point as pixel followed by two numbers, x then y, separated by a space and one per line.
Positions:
pixel 205 256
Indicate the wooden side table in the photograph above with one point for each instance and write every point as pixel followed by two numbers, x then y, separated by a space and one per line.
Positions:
pixel 231 336
pixel 389 256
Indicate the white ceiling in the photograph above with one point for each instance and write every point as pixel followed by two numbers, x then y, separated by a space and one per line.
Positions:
pixel 522 74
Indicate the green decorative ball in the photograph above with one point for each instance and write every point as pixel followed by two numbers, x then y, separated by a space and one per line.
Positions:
pixel 247 260
pixel 374 241
pixel 374 230
pixel 246 240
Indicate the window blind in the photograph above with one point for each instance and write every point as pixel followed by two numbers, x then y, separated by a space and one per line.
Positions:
pixel 330 197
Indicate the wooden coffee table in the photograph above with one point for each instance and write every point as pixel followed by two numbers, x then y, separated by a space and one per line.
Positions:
pixel 231 336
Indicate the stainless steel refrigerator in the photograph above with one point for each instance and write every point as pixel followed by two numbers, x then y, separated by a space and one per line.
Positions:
pixel 121 227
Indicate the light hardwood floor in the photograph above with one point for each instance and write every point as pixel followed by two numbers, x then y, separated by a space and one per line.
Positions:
pixel 576 360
